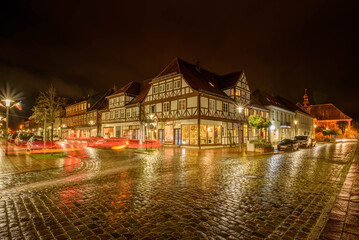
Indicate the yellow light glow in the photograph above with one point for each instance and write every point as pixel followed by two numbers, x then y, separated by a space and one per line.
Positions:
pixel 240 109
pixel 7 102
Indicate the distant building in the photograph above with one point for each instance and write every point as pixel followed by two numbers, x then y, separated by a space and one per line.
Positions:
pixel 303 123
pixel 82 118
pixel 326 115
pixel 281 116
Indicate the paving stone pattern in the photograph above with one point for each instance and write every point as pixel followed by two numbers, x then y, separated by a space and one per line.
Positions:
pixel 175 194
pixel 343 221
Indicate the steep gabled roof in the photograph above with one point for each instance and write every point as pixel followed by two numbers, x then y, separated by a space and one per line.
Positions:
pixel 327 112
pixel 257 104
pixel 230 80
pixel 143 90
pixel 266 99
pixel 291 105
pixel 130 88
pixel 198 78
pixel 102 102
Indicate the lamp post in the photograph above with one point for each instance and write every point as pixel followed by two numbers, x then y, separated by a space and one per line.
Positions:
pixel 91 123
pixel 8 106
pixel 295 131
pixel 240 109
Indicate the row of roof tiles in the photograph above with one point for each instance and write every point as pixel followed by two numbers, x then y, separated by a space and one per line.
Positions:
pixel 199 79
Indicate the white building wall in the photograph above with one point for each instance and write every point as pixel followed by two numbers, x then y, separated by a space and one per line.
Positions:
pixel 192 102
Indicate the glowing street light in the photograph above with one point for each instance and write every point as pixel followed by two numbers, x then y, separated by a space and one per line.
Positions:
pixel 8 106
pixel 7 102
pixel 240 109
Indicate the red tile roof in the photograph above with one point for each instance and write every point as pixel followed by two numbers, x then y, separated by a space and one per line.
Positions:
pixel 230 80
pixel 144 88
pixel 131 88
pixel 291 105
pixel 327 112
pixel 266 99
pixel 198 78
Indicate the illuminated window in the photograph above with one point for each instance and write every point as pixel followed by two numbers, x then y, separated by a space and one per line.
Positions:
pixel 177 84
pixel 166 107
pixel 153 109
pixel 122 113
pixel 246 112
pixel 211 84
pixel 162 88
pixel 169 86
pixel 238 92
pixel 225 107
pixel 128 112
pixel 182 104
pixel 155 89
pixel 134 112
pixel 212 105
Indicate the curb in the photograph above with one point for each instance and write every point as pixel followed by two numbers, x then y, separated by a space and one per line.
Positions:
pixel 324 216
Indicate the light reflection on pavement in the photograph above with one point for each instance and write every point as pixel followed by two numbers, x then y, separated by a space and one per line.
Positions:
pixel 174 193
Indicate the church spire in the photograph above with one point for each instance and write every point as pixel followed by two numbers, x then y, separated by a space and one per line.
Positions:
pixel 305 99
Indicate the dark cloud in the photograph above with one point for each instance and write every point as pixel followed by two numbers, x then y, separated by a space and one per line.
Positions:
pixel 82 46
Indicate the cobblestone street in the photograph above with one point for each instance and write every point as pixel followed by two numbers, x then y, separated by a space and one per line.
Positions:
pixel 173 193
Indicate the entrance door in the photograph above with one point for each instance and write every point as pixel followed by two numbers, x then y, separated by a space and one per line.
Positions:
pixel 160 135
pixel 178 136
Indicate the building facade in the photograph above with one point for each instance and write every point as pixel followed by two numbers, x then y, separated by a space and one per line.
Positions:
pixel 327 116
pixel 123 118
pixel 281 117
pixel 184 105
pixel 82 118
pixel 303 121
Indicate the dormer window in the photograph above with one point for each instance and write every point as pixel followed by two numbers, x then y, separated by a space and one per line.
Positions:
pixel 211 84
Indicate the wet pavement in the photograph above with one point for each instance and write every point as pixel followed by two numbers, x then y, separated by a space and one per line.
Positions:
pixel 173 193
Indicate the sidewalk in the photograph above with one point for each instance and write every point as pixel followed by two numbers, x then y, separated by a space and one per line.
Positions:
pixel 343 221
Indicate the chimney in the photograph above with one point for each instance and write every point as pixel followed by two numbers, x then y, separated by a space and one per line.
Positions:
pixel 115 87
pixel 198 67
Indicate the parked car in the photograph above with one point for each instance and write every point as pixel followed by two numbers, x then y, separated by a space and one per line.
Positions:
pixel 312 142
pixel 37 142
pixel 305 141
pixel 12 137
pixel 22 138
pixel 288 144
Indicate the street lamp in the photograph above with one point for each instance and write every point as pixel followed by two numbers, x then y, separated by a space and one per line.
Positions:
pixel 8 106
pixel 295 131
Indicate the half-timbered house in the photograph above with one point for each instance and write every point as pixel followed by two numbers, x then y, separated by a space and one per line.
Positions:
pixel 194 107
pixel 82 118
pixel 183 105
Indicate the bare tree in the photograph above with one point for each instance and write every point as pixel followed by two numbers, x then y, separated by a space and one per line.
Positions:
pixel 52 104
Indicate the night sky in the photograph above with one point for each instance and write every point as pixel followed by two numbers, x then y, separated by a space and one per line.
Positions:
pixel 83 47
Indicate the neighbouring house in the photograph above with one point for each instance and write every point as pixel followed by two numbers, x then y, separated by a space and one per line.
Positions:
pixel 303 123
pixel 82 118
pixel 282 117
pixel 123 118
